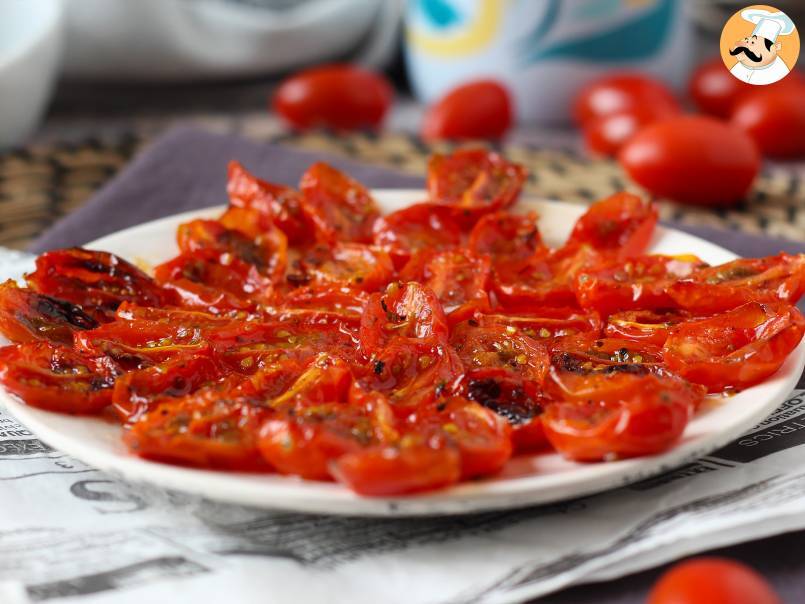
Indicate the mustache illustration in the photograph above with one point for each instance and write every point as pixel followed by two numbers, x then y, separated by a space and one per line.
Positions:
pixel 743 49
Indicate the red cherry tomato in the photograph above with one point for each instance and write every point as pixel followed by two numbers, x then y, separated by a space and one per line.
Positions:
pixel 605 135
pixel 714 89
pixel 712 581
pixel 775 119
pixel 692 159
pixel 477 110
pixel 623 92
pixel 341 97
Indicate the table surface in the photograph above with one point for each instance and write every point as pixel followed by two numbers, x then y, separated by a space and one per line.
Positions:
pixel 92 131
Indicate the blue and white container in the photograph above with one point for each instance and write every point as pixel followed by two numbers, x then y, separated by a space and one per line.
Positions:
pixel 543 50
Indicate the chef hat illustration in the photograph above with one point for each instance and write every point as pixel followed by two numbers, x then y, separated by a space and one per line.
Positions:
pixel 768 25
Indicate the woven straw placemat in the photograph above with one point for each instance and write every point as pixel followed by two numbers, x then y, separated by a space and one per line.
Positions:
pixel 42 183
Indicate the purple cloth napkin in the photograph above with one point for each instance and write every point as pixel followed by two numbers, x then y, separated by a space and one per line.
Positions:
pixel 186 169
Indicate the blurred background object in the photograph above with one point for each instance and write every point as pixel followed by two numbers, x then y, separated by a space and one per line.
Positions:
pixel 543 51
pixel 183 40
pixel 30 47
pixel 387 81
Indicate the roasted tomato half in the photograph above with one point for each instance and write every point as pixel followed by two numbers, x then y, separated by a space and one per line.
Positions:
pixel 482 437
pixel 97 281
pixel 620 225
pixel 507 238
pixel 644 416
pixel 340 207
pixel 305 441
pixel 26 316
pixel 53 377
pixel 267 253
pixel 457 277
pixel 718 288
pixel 639 283
pixel 644 326
pixel 474 182
pixel 275 204
pixel 211 428
pixel 735 349
pixel 405 312
pixel 412 374
pixel 423 226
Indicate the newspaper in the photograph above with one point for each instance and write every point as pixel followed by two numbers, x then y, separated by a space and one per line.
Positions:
pixel 70 533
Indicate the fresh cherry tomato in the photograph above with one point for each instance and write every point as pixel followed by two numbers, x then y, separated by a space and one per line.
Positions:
pixel 474 182
pixel 622 92
pixel 476 110
pixel 405 312
pixel 26 316
pixel 341 208
pixel 96 281
pixel 272 203
pixel 620 225
pixel 56 378
pixel 712 581
pixel 735 349
pixel 692 159
pixel 605 135
pixel 422 226
pixel 775 119
pixel 641 282
pixel 719 288
pixel 714 89
pixel 340 97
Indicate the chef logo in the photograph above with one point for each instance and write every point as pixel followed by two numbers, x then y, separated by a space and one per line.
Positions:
pixel 759 45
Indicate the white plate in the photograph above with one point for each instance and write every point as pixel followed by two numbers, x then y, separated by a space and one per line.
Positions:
pixel 525 481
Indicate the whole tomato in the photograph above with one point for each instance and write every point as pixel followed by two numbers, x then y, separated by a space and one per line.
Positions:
pixel 341 97
pixel 775 118
pixel 692 159
pixel 605 135
pixel 712 581
pixel 625 92
pixel 477 110
pixel 714 89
